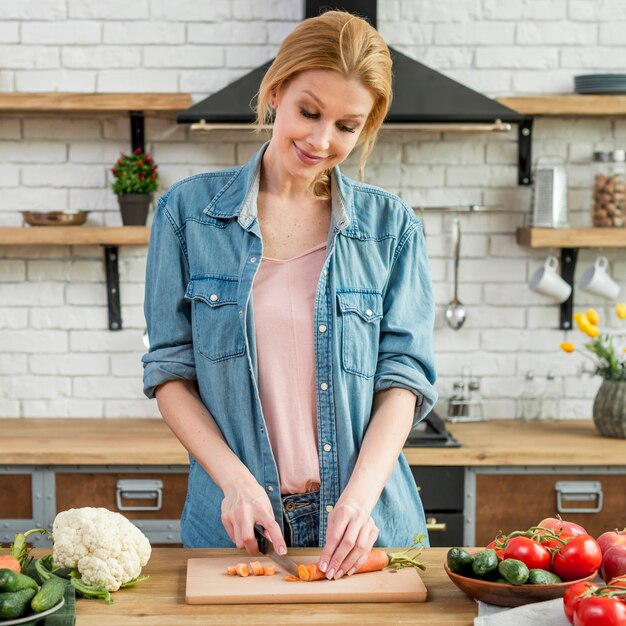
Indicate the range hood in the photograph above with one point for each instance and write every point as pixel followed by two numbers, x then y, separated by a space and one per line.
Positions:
pixel 422 97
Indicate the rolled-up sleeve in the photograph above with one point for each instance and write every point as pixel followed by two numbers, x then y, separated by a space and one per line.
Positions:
pixel 405 355
pixel 168 315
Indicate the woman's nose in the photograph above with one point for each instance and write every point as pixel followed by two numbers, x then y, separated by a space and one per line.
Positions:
pixel 319 138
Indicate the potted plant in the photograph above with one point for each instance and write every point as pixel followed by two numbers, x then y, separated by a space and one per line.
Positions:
pixel 135 180
pixel 609 360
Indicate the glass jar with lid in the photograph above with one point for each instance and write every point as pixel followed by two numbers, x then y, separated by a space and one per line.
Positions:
pixel 609 208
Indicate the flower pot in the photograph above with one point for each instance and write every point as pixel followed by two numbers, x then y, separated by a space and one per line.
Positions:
pixel 134 208
pixel 609 409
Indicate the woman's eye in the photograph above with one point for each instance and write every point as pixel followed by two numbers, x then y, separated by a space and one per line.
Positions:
pixel 345 129
pixel 309 115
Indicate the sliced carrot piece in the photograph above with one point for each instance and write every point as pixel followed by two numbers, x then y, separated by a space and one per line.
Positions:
pixel 269 570
pixel 242 569
pixel 315 573
pixel 232 570
pixel 303 572
pixel 256 567
pixel 292 579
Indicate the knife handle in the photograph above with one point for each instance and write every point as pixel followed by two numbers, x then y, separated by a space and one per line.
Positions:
pixel 261 539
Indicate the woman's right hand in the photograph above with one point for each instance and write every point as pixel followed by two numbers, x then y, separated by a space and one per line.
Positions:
pixel 245 505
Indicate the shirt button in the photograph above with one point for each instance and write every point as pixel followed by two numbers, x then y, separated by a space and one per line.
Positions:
pixel 368 312
pixel 324 386
pixel 253 259
pixel 270 488
pixel 325 272
pixel 329 508
pixel 213 298
pixel 321 328
pixel 327 448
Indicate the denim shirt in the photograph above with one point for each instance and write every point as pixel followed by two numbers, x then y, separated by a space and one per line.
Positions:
pixel 373 328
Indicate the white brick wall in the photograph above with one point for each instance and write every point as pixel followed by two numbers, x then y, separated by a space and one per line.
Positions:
pixel 57 357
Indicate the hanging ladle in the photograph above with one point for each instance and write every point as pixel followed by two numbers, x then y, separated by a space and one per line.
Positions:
pixel 455 311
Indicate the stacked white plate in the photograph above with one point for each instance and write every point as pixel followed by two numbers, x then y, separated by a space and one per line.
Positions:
pixel 600 83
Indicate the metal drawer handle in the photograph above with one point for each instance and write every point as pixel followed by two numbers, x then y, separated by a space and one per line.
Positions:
pixel 433 524
pixel 580 491
pixel 139 489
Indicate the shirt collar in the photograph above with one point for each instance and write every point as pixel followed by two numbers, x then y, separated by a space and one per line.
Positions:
pixel 238 197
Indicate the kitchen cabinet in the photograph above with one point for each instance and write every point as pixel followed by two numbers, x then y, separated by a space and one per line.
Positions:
pixel 517 498
pixel 487 484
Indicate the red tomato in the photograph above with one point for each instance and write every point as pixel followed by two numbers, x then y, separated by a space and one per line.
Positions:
pixel 499 551
pixel 578 558
pixel 600 611
pixel 556 525
pixel 529 552
pixel 573 596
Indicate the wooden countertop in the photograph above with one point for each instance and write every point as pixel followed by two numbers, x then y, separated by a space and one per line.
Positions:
pixel 114 441
pixel 160 600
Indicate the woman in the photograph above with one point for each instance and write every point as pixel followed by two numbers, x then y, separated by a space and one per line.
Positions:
pixel 290 318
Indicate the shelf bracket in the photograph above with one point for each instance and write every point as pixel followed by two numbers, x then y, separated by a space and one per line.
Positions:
pixel 568 268
pixel 524 146
pixel 113 287
pixel 137 130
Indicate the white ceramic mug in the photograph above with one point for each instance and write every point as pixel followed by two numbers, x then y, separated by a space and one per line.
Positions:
pixel 548 282
pixel 596 280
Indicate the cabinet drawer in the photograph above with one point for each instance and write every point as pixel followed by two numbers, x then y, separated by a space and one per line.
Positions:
pixel 440 488
pixel 444 529
pixel 517 501
pixel 75 489
pixel 16 496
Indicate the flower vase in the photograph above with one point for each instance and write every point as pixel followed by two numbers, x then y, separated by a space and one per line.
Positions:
pixel 609 409
pixel 134 208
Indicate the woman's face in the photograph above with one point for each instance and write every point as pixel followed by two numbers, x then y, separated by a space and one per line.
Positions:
pixel 319 117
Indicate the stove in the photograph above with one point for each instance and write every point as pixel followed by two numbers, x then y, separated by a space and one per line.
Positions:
pixel 431 432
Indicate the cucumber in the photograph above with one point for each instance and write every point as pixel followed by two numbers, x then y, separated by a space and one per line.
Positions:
pixel 542 577
pixel 14 581
pixel 514 571
pixel 485 562
pixel 49 595
pixel 504 581
pixel 15 603
pixel 460 561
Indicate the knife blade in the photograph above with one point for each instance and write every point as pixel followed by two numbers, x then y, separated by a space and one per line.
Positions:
pixel 267 548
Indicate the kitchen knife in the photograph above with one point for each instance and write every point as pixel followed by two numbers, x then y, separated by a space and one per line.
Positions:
pixel 266 548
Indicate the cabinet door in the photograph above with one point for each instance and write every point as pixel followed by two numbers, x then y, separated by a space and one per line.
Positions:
pixel 78 489
pixel 517 501
pixel 16 499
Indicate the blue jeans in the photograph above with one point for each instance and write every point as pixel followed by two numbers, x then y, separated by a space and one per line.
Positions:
pixel 301 516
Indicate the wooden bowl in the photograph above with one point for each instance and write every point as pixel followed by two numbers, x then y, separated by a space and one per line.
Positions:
pixel 55 218
pixel 501 594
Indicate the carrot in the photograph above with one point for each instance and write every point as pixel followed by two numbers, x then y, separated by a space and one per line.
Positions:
pixel 291 579
pixel 269 570
pixel 8 561
pixel 377 560
pixel 256 567
pixel 242 569
pixel 232 570
pixel 303 572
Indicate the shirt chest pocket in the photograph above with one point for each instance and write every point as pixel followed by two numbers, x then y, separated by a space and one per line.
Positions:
pixel 217 327
pixel 361 312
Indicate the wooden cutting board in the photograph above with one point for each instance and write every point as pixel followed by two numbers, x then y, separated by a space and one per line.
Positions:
pixel 209 583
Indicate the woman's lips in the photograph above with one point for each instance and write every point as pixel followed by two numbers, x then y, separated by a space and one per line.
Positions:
pixel 307 158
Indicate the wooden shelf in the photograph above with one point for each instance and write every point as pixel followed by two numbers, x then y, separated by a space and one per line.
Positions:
pixel 94 103
pixel 570 104
pixel 75 235
pixel 572 237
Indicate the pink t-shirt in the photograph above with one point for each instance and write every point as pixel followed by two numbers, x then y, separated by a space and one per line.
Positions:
pixel 284 296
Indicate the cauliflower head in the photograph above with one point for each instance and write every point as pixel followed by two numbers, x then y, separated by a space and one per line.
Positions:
pixel 105 547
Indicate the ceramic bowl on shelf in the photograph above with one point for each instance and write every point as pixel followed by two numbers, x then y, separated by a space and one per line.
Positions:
pixel 502 594
pixel 55 218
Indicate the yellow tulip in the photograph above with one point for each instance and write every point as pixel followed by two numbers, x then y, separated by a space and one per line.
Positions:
pixel 593 317
pixel 591 330
pixel 620 309
pixel 581 321
pixel 569 347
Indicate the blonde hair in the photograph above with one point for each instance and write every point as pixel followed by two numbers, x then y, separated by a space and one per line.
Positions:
pixel 344 43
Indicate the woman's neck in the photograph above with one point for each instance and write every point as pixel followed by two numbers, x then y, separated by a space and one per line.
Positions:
pixel 276 181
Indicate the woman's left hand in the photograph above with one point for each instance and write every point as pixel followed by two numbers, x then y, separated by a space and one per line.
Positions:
pixel 350 536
